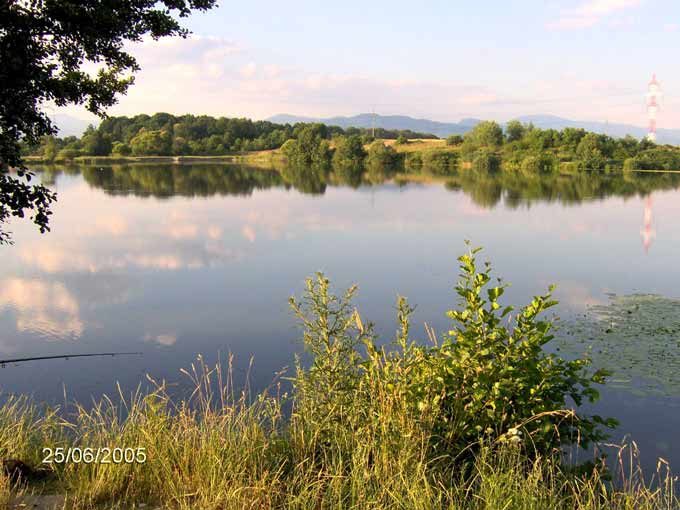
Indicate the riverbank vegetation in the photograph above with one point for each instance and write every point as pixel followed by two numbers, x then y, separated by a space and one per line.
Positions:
pixel 519 148
pixel 477 418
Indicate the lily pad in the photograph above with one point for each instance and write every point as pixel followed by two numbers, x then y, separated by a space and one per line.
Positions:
pixel 636 337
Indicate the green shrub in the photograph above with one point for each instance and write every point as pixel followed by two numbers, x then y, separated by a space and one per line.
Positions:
pixel 382 161
pixel 440 162
pixel 654 159
pixel 121 149
pixel 413 162
pixel 485 161
pixel 349 152
pixel 538 164
pixel 454 140
pixel 493 374
pixel 488 379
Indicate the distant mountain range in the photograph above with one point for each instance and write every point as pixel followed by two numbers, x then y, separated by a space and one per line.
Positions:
pixel 443 129
pixel 365 120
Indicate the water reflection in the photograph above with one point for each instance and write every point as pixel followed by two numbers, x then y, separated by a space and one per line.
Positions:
pixel 648 232
pixel 487 189
pixel 46 309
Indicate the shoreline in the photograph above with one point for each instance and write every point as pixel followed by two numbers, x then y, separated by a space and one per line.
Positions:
pixel 249 157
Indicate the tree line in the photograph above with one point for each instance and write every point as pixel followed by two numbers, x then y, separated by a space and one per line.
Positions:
pixel 519 148
pixel 164 134
pixel 525 148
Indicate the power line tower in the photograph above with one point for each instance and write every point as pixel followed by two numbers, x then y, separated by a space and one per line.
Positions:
pixel 373 123
pixel 653 97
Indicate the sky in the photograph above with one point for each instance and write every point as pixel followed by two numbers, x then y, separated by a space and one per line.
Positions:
pixel 442 60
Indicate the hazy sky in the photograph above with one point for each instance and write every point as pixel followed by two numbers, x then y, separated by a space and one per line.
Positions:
pixel 445 60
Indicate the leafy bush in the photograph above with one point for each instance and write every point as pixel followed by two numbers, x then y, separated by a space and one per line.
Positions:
pixel 440 162
pixel 310 148
pixel 494 377
pixel 381 162
pixel 121 149
pixel 349 152
pixel 486 161
pixel 654 159
pixel 454 140
pixel 589 152
pixel 413 162
pixel 538 164
pixel 488 380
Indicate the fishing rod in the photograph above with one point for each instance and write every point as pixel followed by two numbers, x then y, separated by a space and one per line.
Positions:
pixel 67 356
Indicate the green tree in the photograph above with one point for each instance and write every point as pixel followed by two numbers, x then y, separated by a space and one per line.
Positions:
pixel 486 161
pixel 151 143
pixel 310 148
pixel 121 149
pixel 440 162
pixel 49 148
pixel 381 162
pixel 514 131
pixel 486 135
pixel 349 151
pixel 454 140
pixel 381 155
pixel 96 143
pixel 589 152
pixel 43 47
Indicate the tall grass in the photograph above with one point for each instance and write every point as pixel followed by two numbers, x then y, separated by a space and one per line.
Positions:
pixel 363 427
pixel 224 451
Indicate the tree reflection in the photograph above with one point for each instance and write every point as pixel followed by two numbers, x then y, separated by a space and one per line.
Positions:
pixel 486 189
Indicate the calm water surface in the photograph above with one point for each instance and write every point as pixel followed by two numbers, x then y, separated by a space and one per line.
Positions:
pixel 177 261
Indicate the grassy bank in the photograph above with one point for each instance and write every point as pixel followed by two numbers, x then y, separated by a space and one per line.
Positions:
pixel 238 455
pixel 475 419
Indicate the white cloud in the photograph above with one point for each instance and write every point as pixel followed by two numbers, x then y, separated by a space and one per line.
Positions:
pixel 44 308
pixel 591 12
pixel 218 77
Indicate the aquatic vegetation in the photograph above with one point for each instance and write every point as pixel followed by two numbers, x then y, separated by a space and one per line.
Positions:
pixel 636 337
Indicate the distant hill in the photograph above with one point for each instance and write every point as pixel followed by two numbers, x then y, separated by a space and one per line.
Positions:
pixel 443 129
pixel 365 120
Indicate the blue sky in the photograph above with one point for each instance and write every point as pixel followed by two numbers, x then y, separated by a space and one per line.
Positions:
pixel 581 59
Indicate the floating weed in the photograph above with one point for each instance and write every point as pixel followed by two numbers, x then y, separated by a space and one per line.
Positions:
pixel 637 337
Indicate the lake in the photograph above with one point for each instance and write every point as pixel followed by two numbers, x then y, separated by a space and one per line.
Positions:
pixel 173 261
